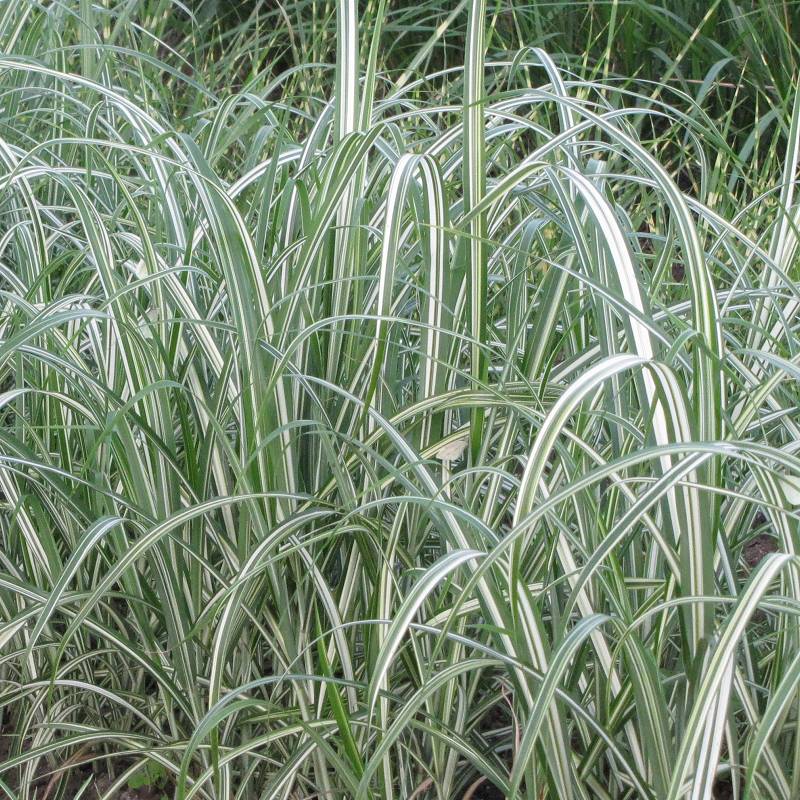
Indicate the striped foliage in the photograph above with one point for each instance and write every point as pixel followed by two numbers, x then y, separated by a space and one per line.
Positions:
pixel 394 405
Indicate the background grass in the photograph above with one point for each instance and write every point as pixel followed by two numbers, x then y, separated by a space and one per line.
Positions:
pixel 399 400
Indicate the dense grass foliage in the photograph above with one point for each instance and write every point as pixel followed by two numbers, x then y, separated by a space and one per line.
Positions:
pixel 399 400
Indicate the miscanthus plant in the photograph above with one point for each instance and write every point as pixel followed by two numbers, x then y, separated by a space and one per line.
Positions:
pixel 384 419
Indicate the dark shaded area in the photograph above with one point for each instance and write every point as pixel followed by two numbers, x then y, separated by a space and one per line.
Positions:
pixel 488 791
pixel 758 548
pixel 64 778
pixel 723 789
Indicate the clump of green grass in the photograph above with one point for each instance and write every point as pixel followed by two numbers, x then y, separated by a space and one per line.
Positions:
pixel 422 424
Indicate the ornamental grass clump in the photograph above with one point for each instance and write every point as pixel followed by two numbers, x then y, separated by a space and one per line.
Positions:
pixel 397 405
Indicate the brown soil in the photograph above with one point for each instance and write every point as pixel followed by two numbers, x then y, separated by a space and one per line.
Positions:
pixel 73 774
pixel 757 548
